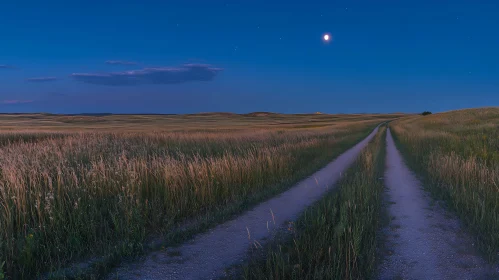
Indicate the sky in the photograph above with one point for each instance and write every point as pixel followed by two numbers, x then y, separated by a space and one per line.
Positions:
pixel 191 56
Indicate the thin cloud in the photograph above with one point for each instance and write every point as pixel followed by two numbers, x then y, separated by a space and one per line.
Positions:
pixel 4 66
pixel 16 101
pixel 42 79
pixel 120 62
pixel 159 76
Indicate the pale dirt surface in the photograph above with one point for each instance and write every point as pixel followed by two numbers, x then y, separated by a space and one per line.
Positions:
pixel 424 241
pixel 209 254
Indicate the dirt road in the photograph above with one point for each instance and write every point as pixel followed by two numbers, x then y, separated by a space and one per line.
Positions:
pixel 207 255
pixel 424 241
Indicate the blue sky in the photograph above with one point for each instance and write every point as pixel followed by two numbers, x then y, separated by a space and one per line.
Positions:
pixel 243 56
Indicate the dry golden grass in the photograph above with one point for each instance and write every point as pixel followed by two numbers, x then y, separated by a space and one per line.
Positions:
pixel 213 122
pixel 72 187
pixel 458 154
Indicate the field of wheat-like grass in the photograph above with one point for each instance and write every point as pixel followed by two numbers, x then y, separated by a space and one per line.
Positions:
pixel 77 187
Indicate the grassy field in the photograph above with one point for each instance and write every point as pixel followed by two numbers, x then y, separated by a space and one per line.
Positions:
pixel 337 237
pixel 73 187
pixel 207 122
pixel 457 155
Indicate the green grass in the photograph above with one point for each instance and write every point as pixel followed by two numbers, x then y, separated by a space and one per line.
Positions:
pixel 337 237
pixel 457 156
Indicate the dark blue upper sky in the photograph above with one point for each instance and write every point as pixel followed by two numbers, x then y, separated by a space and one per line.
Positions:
pixel 240 56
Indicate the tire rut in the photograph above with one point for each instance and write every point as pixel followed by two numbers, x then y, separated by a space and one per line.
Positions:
pixel 423 240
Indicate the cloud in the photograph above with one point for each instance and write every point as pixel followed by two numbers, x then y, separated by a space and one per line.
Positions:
pixel 42 79
pixel 4 66
pixel 158 76
pixel 120 62
pixel 15 101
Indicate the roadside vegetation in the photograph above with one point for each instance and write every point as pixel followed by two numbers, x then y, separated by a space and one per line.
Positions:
pixel 457 155
pixel 337 237
pixel 66 196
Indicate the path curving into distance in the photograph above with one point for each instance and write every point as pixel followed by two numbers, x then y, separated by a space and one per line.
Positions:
pixel 207 255
pixel 426 242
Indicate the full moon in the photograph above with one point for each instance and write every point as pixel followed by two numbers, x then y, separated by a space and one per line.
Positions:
pixel 326 37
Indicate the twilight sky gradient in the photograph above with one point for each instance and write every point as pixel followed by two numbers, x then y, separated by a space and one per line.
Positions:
pixel 134 56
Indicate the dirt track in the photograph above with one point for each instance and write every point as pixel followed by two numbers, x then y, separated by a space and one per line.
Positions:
pixel 207 255
pixel 424 241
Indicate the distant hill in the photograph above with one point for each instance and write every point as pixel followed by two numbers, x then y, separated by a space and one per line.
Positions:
pixel 228 114
pixel 261 114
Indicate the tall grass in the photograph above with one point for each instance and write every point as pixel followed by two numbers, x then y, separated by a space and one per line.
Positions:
pixel 337 237
pixel 457 154
pixel 87 194
pixel 7 138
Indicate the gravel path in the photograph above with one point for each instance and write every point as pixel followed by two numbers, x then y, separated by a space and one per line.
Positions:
pixel 208 255
pixel 423 241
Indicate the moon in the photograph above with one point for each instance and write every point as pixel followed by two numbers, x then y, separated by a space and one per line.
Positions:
pixel 327 37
